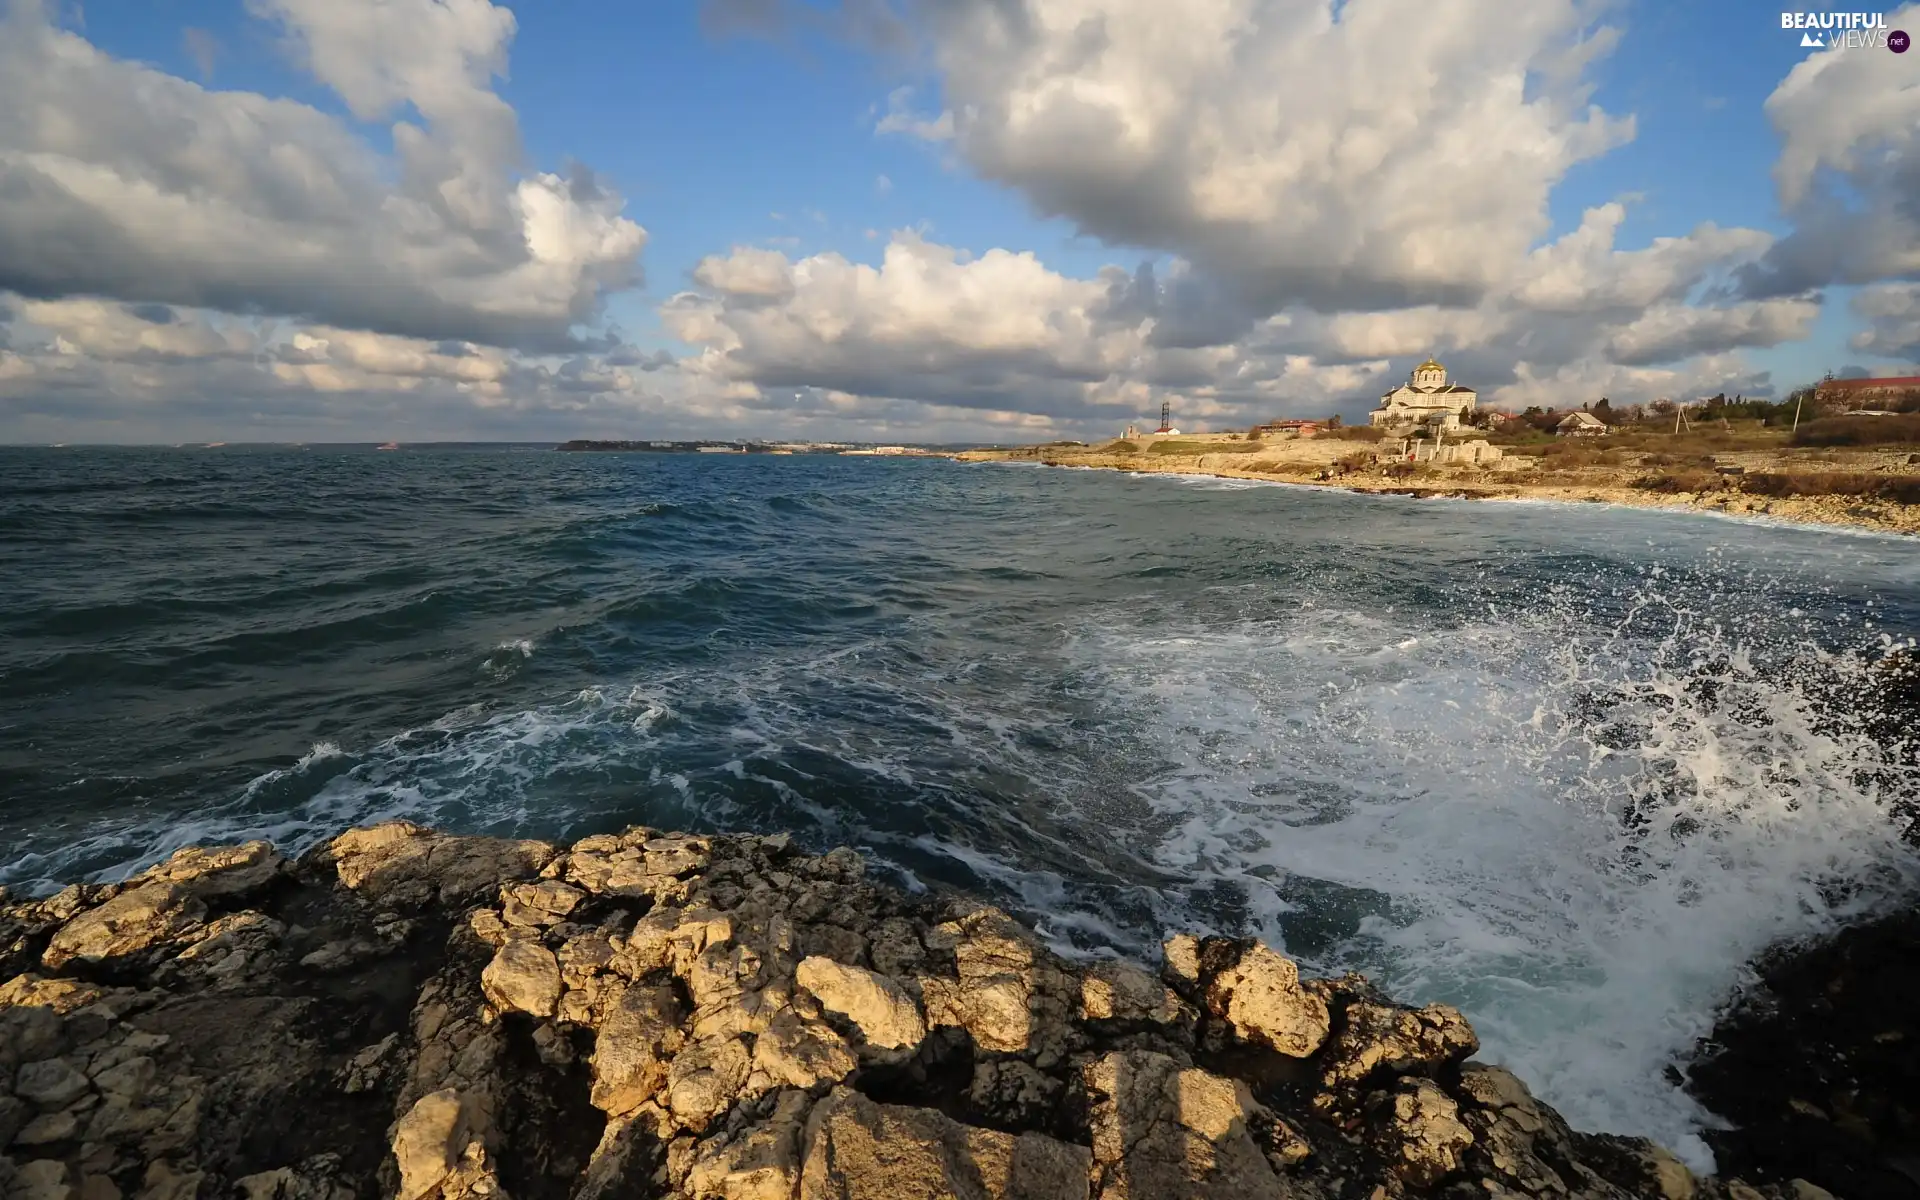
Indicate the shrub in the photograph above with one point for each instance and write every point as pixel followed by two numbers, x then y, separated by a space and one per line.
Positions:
pixel 1901 489
pixel 1680 481
pixel 1677 460
pixel 1354 433
pixel 1120 446
pixel 1860 431
pixel 1357 461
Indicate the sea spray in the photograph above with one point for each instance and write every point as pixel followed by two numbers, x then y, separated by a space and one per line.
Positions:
pixel 1580 834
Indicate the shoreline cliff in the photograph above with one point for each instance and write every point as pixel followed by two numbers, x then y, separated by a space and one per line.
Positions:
pixel 406 1013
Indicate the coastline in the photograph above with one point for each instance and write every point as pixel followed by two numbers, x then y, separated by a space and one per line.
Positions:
pixel 437 1017
pixel 1854 512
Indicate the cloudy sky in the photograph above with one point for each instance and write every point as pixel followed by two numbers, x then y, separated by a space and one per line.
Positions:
pixel 926 219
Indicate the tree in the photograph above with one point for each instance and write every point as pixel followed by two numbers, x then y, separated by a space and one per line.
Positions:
pixel 1604 411
pixel 1334 422
pixel 1664 407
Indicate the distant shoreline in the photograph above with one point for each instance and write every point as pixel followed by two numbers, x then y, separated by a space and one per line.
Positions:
pixel 1829 510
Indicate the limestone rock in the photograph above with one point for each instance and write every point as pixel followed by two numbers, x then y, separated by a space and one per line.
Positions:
pixel 523 977
pixel 703 1080
pixel 761 1162
pixel 318 1178
pixel 1418 1127
pixel 859 1150
pixel 1161 1132
pixel 400 863
pixel 134 921
pixel 223 871
pixel 639 1038
pixel 797 1053
pixel 1257 991
pixel 52 1084
pixel 1011 996
pixel 42 1179
pixel 1378 1038
pixel 1116 991
pixel 885 1015
pixel 429 1141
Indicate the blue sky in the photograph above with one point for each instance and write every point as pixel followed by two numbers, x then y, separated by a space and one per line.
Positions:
pixel 722 126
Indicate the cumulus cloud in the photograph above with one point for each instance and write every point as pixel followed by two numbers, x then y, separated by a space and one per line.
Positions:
pixel 1849 169
pixel 927 323
pixel 1892 315
pixel 1274 143
pixel 931 324
pixel 120 180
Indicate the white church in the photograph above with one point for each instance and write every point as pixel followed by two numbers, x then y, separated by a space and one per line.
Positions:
pixel 1426 399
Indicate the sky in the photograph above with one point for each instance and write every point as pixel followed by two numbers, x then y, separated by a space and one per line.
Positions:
pixel 929 220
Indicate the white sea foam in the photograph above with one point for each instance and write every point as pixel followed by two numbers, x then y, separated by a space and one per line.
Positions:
pixel 1579 839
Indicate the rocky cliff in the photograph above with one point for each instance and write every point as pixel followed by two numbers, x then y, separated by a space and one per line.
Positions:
pixel 403 1013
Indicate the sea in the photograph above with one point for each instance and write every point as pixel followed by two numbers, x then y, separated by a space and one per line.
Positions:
pixel 1568 767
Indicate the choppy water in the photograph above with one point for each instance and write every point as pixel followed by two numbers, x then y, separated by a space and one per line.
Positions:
pixel 1568 767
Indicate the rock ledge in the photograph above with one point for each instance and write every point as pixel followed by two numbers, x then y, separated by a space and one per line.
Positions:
pixel 405 1013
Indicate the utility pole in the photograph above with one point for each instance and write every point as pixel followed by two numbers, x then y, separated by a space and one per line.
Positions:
pixel 1798 401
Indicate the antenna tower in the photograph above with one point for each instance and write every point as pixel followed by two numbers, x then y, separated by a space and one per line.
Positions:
pixel 1166 415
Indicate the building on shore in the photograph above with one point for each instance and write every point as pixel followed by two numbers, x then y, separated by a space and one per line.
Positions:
pixel 1581 424
pixel 1426 399
pixel 1290 428
pixel 1887 393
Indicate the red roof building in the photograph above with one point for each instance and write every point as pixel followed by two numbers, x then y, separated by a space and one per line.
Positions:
pixel 1869 392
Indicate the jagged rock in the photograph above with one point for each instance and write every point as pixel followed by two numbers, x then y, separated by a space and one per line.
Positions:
pixel 885 1015
pixel 1012 1093
pixel 538 904
pixel 640 1036
pixel 42 1179
pixel 401 864
pixel 523 977
pixel 223 871
pixel 1636 1166
pixel 802 1054
pixel 430 1141
pixel 1010 996
pixel 859 1150
pixel 47 1128
pixel 54 1083
pixel 165 1180
pixel 704 1079
pixel 1117 991
pixel 1161 1132
pixel 1377 1039
pixel 318 1178
pixel 650 1014
pixel 761 1162
pixel 131 922
pixel 13 1115
pixel 1257 991
pixel 1418 1127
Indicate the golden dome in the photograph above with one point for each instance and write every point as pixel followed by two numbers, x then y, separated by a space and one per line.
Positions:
pixel 1429 365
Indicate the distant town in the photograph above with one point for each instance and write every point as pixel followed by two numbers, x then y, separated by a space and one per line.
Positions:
pixel 667 447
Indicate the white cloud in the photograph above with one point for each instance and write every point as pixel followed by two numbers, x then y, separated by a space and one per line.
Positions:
pixel 1302 157
pixel 1892 314
pixel 1849 169
pixel 126 182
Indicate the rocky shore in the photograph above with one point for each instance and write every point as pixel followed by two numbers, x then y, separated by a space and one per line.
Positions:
pixel 404 1013
pixel 1597 487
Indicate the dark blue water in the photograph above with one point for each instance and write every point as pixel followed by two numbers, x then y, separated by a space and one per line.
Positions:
pixel 1568 766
